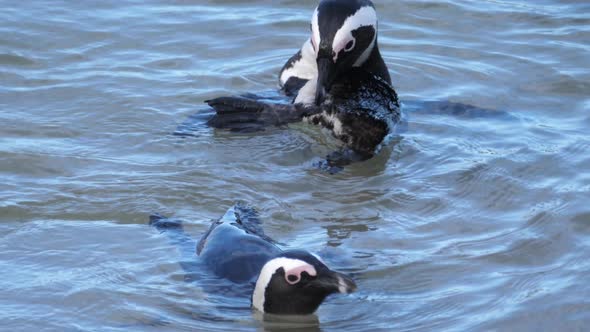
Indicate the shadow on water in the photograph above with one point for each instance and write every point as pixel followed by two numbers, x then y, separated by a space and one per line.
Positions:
pixel 452 109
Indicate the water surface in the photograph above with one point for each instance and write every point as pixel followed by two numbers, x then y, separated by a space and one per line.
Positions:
pixel 466 221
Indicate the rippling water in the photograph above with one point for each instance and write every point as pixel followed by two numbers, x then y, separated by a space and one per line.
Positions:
pixel 467 221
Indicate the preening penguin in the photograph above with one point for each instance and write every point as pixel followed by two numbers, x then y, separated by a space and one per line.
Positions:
pixel 343 38
pixel 337 80
pixel 286 282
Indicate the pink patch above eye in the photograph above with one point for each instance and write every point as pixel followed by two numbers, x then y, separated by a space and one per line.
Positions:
pixel 295 273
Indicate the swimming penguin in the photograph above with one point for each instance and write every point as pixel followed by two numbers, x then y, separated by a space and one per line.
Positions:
pixel 285 282
pixel 337 80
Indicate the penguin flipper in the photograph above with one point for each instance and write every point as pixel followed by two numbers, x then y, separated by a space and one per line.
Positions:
pixel 173 228
pixel 237 114
pixel 247 218
pixel 163 224
pixel 243 114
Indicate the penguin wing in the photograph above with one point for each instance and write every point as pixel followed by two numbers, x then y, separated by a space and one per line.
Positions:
pixel 203 240
pixel 249 219
pixel 174 229
pixel 235 247
pixel 246 218
pixel 240 216
pixel 243 114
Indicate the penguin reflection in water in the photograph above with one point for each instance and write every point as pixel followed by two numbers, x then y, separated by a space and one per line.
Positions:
pixel 338 80
pixel 285 282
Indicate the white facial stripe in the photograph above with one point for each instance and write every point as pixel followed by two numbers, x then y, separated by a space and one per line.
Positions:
pixel 306 95
pixel 269 269
pixel 366 16
pixel 315 30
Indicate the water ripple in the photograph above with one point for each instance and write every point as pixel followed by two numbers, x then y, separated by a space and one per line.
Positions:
pixel 473 218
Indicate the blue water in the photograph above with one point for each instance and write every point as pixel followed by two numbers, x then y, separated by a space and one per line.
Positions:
pixel 467 220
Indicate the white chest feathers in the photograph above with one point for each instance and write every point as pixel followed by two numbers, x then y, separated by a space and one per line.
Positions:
pixel 326 120
pixel 305 68
pixel 306 95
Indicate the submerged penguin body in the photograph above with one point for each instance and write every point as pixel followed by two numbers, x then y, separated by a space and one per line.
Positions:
pixel 235 247
pixel 289 282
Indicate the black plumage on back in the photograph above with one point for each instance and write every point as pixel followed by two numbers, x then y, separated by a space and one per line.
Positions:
pixel 235 248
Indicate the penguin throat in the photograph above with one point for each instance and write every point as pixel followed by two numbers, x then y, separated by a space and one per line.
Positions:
pixel 375 64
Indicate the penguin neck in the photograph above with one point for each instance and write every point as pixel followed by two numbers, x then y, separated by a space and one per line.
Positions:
pixel 376 65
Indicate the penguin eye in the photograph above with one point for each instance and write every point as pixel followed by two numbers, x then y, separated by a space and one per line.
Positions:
pixel 350 45
pixel 298 274
pixel 293 279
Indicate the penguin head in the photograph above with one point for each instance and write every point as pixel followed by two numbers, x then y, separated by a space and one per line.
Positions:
pixel 343 35
pixel 296 283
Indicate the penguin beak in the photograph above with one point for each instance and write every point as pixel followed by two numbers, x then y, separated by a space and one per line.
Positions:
pixel 326 76
pixel 334 282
